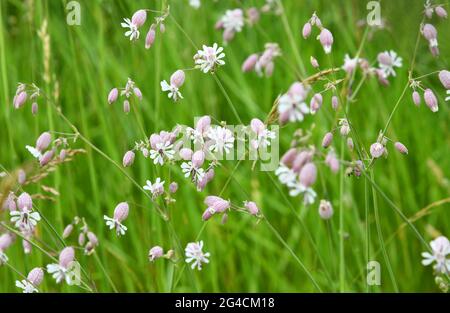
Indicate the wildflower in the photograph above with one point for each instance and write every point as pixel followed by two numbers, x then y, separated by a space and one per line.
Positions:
pixel 316 103
pixel 306 30
pixel 289 156
pixel 25 218
pixel 285 175
pixel 20 99
pixel 139 18
pixel 208 59
pixel 176 81
pixel 430 34
pixel 253 15
pixel 21 177
pixel 62 154
pixel 444 77
pixel 251 207
pixel 222 139
pixel 195 255
pixel 67 231
pixel 195 3
pixel 266 60
pixel 232 22
pixel 43 141
pixel 327 139
pixel 387 61
pixel 292 106
pixel 262 134
pixel 332 161
pixel 350 145
pixel 344 127
pixel 296 188
pixel 46 157
pixel 128 159
pixel 349 64
pixel 401 148
pixel 156 189
pixel 34 279
pixel 5 241
pixel 376 150
pixel 155 253
pixel 325 209
pixel 34 108
pixel 326 40
pixel 113 95
pixel 120 214
pixel 62 270
pixel 334 102
pixel 440 249
pixel 215 205
pixel 250 62
pixel 308 174
pixel 133 31
pixel 173 187
pixel 314 62
pixel 416 98
pixel 431 100
pixel 162 151
pixel 150 38
pixel 440 11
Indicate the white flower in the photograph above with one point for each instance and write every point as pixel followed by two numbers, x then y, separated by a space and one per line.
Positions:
pixel 448 93
pixel 296 188
pixel 25 219
pixel 440 248
pixel 209 58
pixel 114 223
pixel 349 64
pixel 163 151
pixel 60 273
pixel 26 286
pixel 157 188
pixel 133 31
pixel 3 258
pixel 174 93
pixel 262 139
pixel 388 63
pixel 285 174
pixel 194 3
pixel 294 106
pixel 35 152
pixel 189 169
pixel 233 20
pixel 194 253
pixel 222 139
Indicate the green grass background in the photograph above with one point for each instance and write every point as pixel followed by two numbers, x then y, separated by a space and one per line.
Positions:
pixel 88 60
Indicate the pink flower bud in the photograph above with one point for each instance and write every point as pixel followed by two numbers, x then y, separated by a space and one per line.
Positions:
pixel 155 253
pixel 113 95
pixel 376 150
pixel 27 247
pixel 186 154
pixel 198 158
pixel 24 201
pixel 257 125
pixel 444 77
pixel 177 79
pixel 429 32
pixel 326 40
pixel 126 106
pixel 314 62
pixel 62 154
pixel 253 15
pixel 5 241
pixel 431 100
pixel 150 38
pixel 251 207
pixel 43 141
pixel 81 239
pixel 121 211
pixel 10 203
pixel 203 124
pixel 139 18
pixel 332 162
pixel 350 144
pixel 327 139
pixel 325 210
pixel 66 257
pixel 269 69
pixel 289 157
pixel 20 99
pixel 316 103
pixel 207 214
pixel 416 98
pixel 34 108
pixel 92 238
pixel 440 11
pixel 301 159
pixel 401 148
pixel 155 139
pixel 334 102
pixel 306 30
pixel 210 175
pixel 36 276
pixel 47 157
pixel 211 200
pixel 21 177
pixel 128 159
pixel 138 93
pixel 228 34
pixel 308 174
pixel 221 205
pixel 67 231
pixel 250 62
pixel 173 187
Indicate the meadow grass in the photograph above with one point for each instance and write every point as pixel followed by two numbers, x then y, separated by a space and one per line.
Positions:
pixel 292 249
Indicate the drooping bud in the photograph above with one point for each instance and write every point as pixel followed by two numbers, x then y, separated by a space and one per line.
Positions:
pixel 186 154
pixel 128 158
pixel 139 18
pixel 155 253
pixel 308 174
pixel 350 144
pixel 376 150
pixel 440 11
pixel 150 38
pixel 177 79
pixel 207 214
pixel 92 238
pixel 34 108
pixel 36 276
pixel 416 98
pixel 326 40
pixel 62 154
pixel 431 100
pixel 327 139
pixel 173 187
pixel 47 157
pixel 306 30
pixel 325 209
pixel 81 239
pixel 138 93
pixel 24 201
pixel 444 77
pixel 314 62
pixel 334 102
pixel 21 177
pixel 66 257
pixel 5 241
pixel 198 158
pixel 401 148
pixel 121 211
pixel 113 95
pixel 257 125
pixel 203 124
pixel 250 62
pixel 289 157
pixel 43 141
pixel 316 103
pixel 67 231
pixel 27 247
pixel 251 207
pixel 20 99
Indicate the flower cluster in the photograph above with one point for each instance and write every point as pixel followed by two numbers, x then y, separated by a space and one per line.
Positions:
pixel 21 96
pixel 127 92
pixel 231 23
pixel 157 252
pixel 63 270
pixel 86 238
pixel 325 37
pixel 263 63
